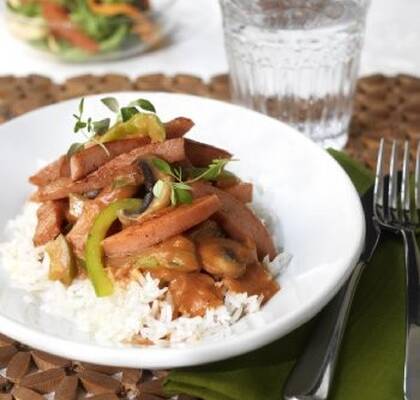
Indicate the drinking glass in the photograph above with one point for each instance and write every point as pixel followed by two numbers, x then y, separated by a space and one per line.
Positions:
pixel 297 60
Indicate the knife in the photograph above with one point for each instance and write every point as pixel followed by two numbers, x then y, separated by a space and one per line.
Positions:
pixel 313 372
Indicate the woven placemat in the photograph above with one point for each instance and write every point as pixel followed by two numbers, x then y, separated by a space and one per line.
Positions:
pixel 384 107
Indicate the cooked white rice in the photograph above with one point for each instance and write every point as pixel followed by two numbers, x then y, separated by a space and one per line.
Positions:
pixel 140 307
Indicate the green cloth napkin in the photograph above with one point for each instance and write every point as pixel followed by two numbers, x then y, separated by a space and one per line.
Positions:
pixel 372 356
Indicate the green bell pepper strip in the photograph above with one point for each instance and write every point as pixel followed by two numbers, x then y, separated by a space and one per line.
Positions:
pixel 141 124
pixel 93 253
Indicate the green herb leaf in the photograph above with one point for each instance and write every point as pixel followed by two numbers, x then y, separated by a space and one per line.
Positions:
pixel 74 148
pixel 79 125
pixel 215 169
pixel 177 173
pixel 212 172
pixel 100 127
pixel 194 172
pixel 158 188
pixel 144 105
pixel 111 103
pixel 183 196
pixel 173 197
pixel 181 185
pixel 81 106
pixel 128 112
pixel 89 124
pixel 162 166
pixel 96 126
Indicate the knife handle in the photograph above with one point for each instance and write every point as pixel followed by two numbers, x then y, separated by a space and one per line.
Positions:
pixel 313 373
pixel 412 346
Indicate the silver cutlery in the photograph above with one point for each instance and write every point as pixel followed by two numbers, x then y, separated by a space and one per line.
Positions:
pixel 394 210
pixel 313 373
pixel 391 208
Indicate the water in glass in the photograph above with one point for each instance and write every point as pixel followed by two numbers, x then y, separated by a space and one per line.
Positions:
pixel 296 60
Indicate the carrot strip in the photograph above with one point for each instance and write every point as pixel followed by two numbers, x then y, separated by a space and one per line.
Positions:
pixel 60 25
pixel 111 9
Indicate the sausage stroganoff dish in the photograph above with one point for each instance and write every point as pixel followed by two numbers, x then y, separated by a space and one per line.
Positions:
pixel 140 236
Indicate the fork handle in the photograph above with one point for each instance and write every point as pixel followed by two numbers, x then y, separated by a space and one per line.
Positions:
pixel 412 346
pixel 313 373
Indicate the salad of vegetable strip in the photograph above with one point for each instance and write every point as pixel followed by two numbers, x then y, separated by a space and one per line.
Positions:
pixel 79 30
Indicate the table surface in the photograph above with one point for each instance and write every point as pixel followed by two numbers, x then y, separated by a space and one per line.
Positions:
pixel 391 46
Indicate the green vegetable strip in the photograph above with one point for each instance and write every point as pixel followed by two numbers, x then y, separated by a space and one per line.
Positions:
pixel 115 40
pixel 140 124
pixel 93 253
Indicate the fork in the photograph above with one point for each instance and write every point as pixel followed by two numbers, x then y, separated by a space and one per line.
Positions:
pixel 393 210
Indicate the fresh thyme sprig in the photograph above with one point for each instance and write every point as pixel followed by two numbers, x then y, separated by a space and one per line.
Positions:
pixel 212 172
pixel 125 113
pixel 180 189
pixel 96 127
pixel 90 129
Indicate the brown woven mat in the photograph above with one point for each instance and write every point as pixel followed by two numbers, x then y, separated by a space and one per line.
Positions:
pixel 30 375
pixel 384 107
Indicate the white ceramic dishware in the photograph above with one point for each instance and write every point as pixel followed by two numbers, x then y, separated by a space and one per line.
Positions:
pixel 310 201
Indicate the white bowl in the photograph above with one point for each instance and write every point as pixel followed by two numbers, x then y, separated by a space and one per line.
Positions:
pixel 317 214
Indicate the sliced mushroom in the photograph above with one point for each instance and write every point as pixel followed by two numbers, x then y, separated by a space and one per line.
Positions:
pixel 228 258
pixel 148 174
pixel 150 203
pixel 177 253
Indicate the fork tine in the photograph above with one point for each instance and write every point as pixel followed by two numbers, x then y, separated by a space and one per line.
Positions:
pixel 405 184
pixel 393 177
pixel 378 192
pixel 417 179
